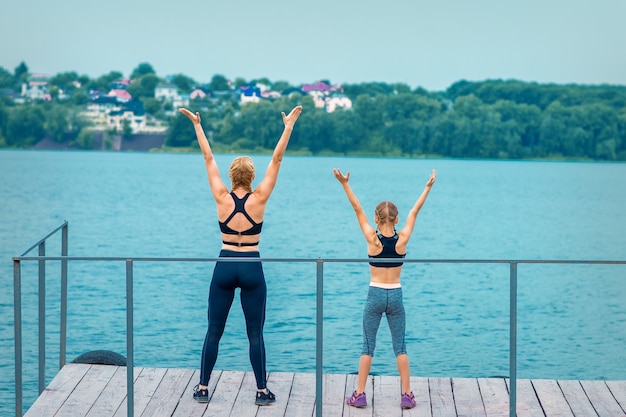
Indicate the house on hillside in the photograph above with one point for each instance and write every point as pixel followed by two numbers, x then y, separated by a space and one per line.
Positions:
pixel 120 84
pixel 99 107
pixel 250 94
pixel 199 93
pixel 326 96
pixel 36 88
pixel 133 114
pixel 166 92
pixel 337 100
pixel 122 96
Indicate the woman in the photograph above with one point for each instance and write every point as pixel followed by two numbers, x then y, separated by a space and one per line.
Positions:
pixel 385 291
pixel 240 215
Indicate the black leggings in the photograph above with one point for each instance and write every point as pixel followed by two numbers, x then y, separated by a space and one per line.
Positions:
pixel 226 277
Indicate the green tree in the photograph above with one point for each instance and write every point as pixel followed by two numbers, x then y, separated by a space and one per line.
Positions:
pixel 80 97
pixel 6 79
pixel 281 86
pixel 348 132
pixel 219 83
pixel 152 106
pixel 20 74
pixel 142 69
pixel 103 83
pixel 237 83
pixel 56 122
pixel 84 140
pixel 64 81
pixel 143 87
pixel 180 132
pixel 185 84
pixel 370 112
pixel 127 130
pixel 25 126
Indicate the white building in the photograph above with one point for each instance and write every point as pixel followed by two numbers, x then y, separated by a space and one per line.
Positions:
pixel 166 92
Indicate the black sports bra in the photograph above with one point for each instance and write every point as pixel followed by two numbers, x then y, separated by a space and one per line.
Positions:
pixel 255 229
pixel 389 251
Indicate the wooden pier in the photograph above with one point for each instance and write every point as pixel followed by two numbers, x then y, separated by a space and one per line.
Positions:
pixel 81 390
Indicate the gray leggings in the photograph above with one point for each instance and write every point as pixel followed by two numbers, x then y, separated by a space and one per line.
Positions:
pixel 379 301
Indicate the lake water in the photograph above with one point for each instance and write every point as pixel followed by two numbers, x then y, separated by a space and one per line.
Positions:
pixel 572 318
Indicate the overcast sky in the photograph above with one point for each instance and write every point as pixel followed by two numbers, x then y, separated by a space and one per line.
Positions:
pixel 431 43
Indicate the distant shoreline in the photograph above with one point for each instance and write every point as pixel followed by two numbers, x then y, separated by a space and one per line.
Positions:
pixel 140 146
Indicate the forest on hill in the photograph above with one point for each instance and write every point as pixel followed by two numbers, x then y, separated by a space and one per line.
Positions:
pixel 504 119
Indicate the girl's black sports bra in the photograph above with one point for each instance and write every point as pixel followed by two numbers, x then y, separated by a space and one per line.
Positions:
pixel 389 251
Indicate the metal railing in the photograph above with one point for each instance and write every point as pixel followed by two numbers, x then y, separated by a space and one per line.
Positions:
pixel 42 258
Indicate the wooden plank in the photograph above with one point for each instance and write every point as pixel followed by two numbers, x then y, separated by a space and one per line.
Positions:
pixel 146 382
pixel 302 396
pixel 112 395
pixel 527 402
pixel 243 405
pixel 59 389
pixel 84 390
pixel 495 396
pixel 281 383
pixel 577 399
pixel 87 391
pixel 551 398
pixel 168 393
pixel 334 390
pixel 602 399
pixel 420 389
pixel 386 398
pixel 467 398
pixel 618 389
pixel 351 383
pixel 225 393
pixel 441 397
pixel 187 406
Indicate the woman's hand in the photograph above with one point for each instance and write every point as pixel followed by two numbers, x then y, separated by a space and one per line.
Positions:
pixel 340 177
pixel 195 118
pixel 291 118
pixel 433 177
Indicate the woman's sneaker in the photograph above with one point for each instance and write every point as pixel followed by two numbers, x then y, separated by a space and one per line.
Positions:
pixel 264 399
pixel 200 395
pixel 408 400
pixel 357 400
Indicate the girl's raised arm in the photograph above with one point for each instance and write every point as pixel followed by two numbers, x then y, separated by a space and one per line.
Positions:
pixel 366 228
pixel 406 231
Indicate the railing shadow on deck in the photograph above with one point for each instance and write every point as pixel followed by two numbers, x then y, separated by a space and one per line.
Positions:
pixel 129 262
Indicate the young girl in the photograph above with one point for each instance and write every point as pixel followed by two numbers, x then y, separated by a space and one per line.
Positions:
pixel 385 291
pixel 240 214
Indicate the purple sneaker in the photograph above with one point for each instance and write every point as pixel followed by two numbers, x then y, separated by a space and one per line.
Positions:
pixel 408 400
pixel 357 400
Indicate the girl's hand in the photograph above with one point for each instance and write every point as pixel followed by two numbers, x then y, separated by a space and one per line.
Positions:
pixel 340 177
pixel 433 177
pixel 195 118
pixel 291 118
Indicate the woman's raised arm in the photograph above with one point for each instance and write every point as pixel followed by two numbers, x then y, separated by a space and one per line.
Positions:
pixel 266 186
pixel 218 187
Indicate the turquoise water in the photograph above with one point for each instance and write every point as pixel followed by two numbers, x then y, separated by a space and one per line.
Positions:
pixel 572 319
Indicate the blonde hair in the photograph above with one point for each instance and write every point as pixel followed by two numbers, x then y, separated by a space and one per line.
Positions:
pixel 241 173
pixel 387 212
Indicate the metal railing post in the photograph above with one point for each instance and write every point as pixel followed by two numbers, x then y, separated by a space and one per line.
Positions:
pixel 42 318
pixel 63 319
pixel 130 361
pixel 319 336
pixel 513 341
pixel 17 308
